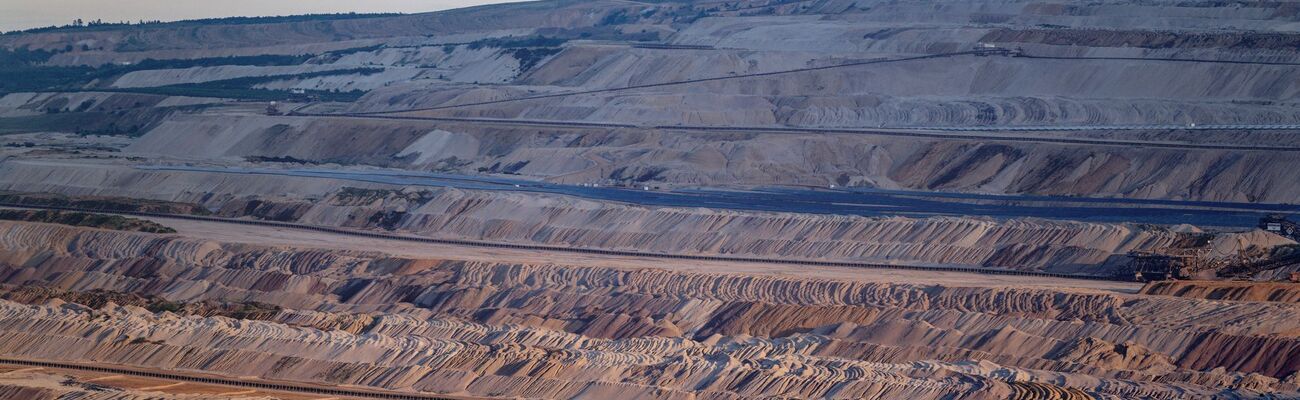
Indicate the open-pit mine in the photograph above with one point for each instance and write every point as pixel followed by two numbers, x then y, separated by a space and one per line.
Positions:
pixel 610 199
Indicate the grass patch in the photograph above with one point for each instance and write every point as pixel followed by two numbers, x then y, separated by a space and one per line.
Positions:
pixel 514 43
pixel 243 88
pixel 83 123
pixel 101 203
pixel 20 71
pixel 529 57
pixel 357 196
pixel 98 298
pixel 63 122
pixel 73 218
pixel 128 122
pixel 280 159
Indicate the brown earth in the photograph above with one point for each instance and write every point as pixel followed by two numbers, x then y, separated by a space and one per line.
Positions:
pixel 551 330
pixel 1227 290
pixel 331 309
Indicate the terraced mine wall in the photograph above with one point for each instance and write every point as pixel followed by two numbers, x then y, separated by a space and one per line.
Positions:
pixel 84 219
pixel 711 158
pixel 1168 64
pixel 555 331
pixel 529 218
pixel 1227 290
pixel 1025 244
pixel 1159 99
pixel 1021 244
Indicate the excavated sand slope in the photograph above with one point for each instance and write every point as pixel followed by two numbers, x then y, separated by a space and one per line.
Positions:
pixel 1023 244
pixel 958 91
pixel 554 331
pixel 1029 244
pixel 637 156
pixel 1233 290
pixel 1233 63
pixel 562 327
pixel 26 383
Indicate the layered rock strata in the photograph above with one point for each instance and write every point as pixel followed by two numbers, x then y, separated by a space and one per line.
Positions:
pixel 555 331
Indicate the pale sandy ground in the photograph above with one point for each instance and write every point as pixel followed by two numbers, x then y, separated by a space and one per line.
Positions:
pixel 271 236
pixel 55 378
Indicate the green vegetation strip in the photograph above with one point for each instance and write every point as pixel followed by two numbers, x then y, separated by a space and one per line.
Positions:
pixel 100 25
pixel 99 298
pixel 73 218
pixel 243 88
pixel 104 204
pixel 21 70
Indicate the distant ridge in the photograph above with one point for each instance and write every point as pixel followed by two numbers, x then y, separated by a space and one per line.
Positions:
pixel 107 26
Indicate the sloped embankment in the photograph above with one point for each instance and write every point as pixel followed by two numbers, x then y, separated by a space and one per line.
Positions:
pixel 1227 290
pixel 93 220
pixel 1027 244
pixel 558 331
pixel 728 158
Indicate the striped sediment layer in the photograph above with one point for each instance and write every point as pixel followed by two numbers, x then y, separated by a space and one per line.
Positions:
pixel 1025 244
pixel 1286 292
pixel 557 331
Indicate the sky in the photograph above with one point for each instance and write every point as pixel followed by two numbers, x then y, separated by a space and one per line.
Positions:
pixel 23 14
